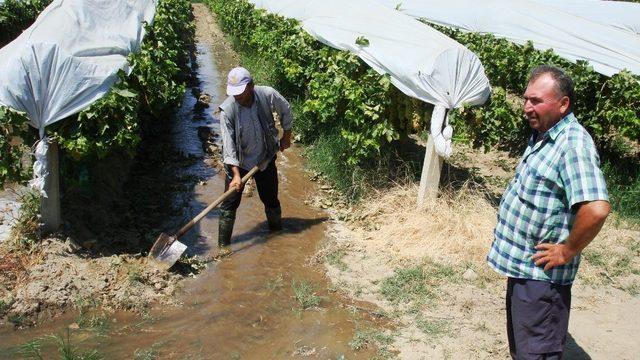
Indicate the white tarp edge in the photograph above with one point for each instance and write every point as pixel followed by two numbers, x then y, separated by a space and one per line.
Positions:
pixel 623 15
pixel 422 62
pixel 607 49
pixel 69 58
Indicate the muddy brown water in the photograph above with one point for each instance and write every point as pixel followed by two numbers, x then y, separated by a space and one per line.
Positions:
pixel 242 307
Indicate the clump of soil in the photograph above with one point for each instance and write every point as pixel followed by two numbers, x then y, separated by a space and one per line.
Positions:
pixel 57 275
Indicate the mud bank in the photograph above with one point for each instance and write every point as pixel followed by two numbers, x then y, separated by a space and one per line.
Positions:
pixel 58 275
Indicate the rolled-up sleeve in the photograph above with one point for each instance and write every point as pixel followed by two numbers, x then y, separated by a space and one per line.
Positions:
pixel 229 153
pixel 283 108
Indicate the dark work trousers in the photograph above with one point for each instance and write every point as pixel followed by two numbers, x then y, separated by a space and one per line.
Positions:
pixel 266 182
pixel 537 318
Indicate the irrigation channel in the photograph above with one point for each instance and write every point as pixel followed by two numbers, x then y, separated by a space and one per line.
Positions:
pixel 243 306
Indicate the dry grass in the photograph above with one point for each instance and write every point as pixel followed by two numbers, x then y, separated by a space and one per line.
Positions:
pixel 455 229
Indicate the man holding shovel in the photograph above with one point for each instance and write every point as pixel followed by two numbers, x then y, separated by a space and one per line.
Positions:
pixel 250 138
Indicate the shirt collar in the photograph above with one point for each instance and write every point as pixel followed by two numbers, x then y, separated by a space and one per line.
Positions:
pixel 554 131
pixel 560 125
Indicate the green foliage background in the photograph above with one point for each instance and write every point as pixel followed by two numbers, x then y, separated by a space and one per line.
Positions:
pixel 17 15
pixel 609 108
pixel 115 123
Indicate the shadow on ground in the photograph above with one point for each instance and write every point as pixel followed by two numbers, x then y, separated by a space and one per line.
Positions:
pixel 573 351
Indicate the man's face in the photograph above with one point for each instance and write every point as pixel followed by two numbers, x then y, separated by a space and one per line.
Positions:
pixel 543 107
pixel 246 98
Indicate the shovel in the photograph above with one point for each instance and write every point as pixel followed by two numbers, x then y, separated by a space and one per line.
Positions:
pixel 167 249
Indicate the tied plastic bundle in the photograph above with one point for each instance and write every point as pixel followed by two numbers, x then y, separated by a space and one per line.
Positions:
pixel 441 134
pixel 40 169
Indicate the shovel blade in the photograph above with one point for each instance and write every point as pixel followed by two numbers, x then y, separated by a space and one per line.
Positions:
pixel 166 251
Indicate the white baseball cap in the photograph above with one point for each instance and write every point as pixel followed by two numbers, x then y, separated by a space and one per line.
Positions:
pixel 237 80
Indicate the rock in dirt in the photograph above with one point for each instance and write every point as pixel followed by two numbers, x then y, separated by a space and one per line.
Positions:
pixel 470 275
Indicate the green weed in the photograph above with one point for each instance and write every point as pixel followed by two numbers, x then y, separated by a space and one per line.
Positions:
pixel 595 258
pixel 150 353
pixel 4 306
pixel 406 286
pixel 433 328
pixel 31 350
pixel 623 185
pixel 89 317
pixel 275 284
pixel 16 319
pixel 415 285
pixel 304 294
pixel 633 289
pixel 363 338
pixel 70 352
pixel 135 273
pixel 334 258
pixel 26 231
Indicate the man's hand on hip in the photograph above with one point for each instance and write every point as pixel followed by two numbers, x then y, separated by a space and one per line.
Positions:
pixel 285 142
pixel 552 255
pixel 590 216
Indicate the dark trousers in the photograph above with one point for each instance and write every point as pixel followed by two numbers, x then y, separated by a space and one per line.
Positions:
pixel 537 318
pixel 266 182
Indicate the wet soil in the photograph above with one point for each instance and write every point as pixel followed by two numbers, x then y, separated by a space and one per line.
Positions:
pixel 268 300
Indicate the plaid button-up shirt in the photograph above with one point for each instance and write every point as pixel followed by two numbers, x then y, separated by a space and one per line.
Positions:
pixel 555 173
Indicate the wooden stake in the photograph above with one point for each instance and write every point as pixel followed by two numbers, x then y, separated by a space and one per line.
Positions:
pixel 430 178
pixel 50 206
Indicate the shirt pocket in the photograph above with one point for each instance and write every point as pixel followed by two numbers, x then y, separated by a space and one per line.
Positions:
pixel 540 193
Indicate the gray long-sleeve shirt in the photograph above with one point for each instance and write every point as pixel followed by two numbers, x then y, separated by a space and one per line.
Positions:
pixel 251 137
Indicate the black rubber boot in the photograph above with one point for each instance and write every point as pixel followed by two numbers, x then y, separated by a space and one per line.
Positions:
pixel 225 227
pixel 274 218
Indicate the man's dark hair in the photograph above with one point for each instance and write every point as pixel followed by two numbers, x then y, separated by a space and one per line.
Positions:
pixel 564 84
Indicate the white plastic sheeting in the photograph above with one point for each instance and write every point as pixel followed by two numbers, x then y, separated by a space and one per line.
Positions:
pixel 68 59
pixel 623 15
pixel 607 49
pixel 421 62
pixel 70 56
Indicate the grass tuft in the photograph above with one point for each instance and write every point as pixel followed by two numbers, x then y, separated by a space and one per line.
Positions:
pixel 304 294
pixel 26 231
pixel 364 338
pixel 433 328
pixel 335 258
pixel 416 285
pixel 31 350
pixel 275 284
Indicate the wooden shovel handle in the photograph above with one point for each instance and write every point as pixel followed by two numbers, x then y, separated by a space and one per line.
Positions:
pixel 204 212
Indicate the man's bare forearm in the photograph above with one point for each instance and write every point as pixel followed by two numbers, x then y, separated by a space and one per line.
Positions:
pixel 589 220
pixel 235 170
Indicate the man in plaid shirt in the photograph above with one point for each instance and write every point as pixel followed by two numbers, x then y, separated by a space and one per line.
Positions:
pixel 554 206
